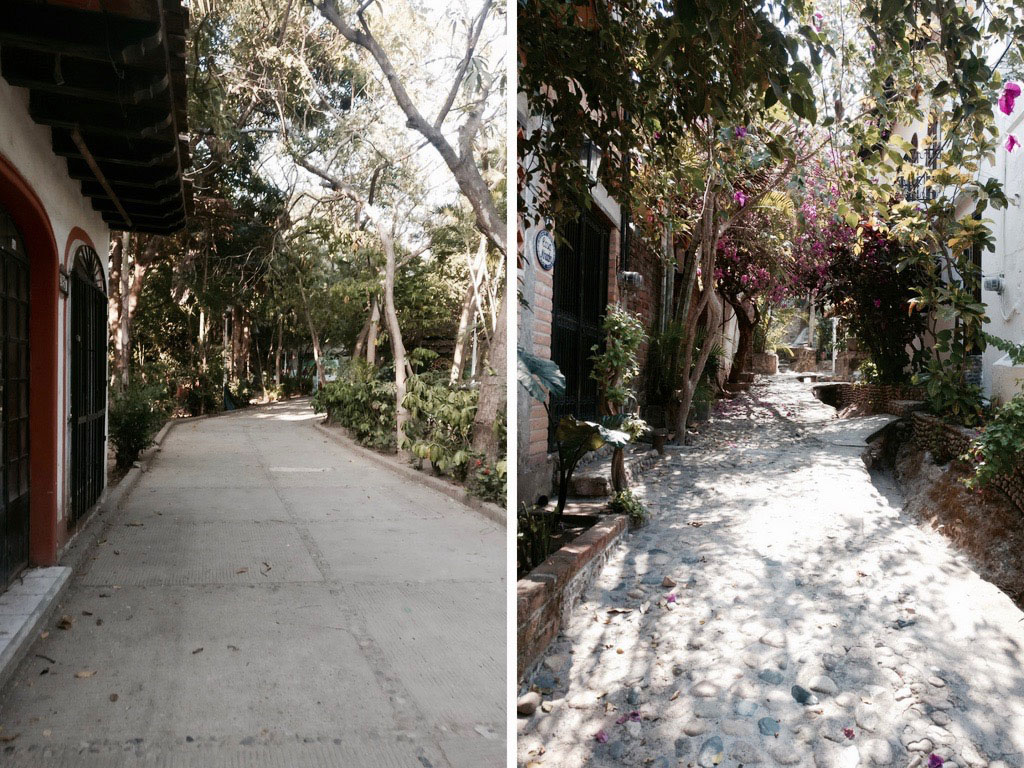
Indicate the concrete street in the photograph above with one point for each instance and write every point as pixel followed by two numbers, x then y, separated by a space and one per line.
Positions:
pixel 774 559
pixel 270 598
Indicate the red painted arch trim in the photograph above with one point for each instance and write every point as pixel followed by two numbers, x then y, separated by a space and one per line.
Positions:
pixel 76 236
pixel 29 215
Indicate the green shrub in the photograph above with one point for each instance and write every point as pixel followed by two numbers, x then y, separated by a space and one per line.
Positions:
pixel 1000 448
pixel 625 503
pixel 363 401
pixel 489 481
pixel 440 423
pixel 135 418
pixel 535 530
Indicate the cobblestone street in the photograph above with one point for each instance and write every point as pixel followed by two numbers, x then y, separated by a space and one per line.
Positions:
pixel 796 577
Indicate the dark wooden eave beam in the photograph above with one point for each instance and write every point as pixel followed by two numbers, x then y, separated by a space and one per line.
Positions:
pixel 72 77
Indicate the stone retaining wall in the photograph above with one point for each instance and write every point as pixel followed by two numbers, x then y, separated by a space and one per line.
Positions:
pixel 878 398
pixel 546 596
pixel 948 441
pixel 804 359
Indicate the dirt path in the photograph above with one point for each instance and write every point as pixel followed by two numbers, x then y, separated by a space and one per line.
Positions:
pixel 270 598
pixel 792 568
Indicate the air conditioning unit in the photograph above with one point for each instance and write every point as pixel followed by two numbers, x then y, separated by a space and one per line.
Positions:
pixel 994 284
pixel 631 279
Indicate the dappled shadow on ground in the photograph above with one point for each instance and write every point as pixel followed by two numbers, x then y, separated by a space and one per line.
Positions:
pixel 792 567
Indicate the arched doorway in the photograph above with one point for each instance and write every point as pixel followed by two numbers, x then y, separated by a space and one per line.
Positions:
pixel 25 210
pixel 88 381
pixel 14 400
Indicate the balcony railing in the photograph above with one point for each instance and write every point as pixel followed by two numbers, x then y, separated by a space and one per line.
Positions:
pixel 913 186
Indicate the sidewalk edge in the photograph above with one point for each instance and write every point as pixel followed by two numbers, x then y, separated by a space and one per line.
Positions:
pixel 492 512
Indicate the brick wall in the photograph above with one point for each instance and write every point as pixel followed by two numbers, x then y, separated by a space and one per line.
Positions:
pixel 546 596
pixel 646 300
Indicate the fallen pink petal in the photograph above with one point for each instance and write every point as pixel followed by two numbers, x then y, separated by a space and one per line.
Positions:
pixel 601 737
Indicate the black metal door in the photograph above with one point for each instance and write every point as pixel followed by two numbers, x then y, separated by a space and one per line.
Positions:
pixel 14 478
pixel 578 307
pixel 88 382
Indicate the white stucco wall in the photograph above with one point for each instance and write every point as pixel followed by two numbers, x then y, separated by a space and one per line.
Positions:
pixel 27 147
pixel 1006 311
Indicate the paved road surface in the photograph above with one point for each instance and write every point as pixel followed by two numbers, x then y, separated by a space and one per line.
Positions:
pixel 792 568
pixel 270 598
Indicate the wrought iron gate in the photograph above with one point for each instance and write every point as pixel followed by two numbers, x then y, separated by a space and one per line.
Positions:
pixel 580 296
pixel 88 382
pixel 14 456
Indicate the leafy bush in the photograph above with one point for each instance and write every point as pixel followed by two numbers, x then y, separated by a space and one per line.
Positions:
pixel 135 418
pixel 440 423
pixel 617 366
pixel 363 401
pixel 296 385
pixel 872 285
pixel 489 481
pixel 1000 449
pixel 625 503
pixel 535 530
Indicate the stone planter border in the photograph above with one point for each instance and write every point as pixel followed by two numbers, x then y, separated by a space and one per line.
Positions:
pixel 546 595
pixel 948 441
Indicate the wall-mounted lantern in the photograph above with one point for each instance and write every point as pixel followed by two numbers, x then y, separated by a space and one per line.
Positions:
pixel 64 282
pixel 994 284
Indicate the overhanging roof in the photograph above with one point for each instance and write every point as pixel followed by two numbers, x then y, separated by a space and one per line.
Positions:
pixel 108 77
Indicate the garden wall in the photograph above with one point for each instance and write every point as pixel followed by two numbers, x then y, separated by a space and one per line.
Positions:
pixel 878 398
pixel 547 594
pixel 948 441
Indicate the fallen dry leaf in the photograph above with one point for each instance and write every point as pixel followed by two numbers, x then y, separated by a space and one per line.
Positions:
pixel 113 697
pixel 674 696
pixel 66 622
pixel 242 570
pixel 7 738
pixel 84 673
pixel 197 650
pixel 44 634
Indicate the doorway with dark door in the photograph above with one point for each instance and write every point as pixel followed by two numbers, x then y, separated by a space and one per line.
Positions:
pixel 88 382
pixel 578 308
pixel 14 398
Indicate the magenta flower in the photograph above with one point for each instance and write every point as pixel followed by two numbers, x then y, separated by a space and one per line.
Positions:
pixel 848 733
pixel 1011 142
pixel 935 761
pixel 740 131
pixel 878 303
pixel 670 597
pixel 740 198
pixel 1010 93
pixel 601 737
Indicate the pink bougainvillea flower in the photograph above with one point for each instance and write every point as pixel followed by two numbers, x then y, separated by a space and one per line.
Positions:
pixel 848 733
pixel 740 131
pixel 670 597
pixel 878 303
pixel 601 737
pixel 1011 142
pixel 1010 93
pixel 935 761
pixel 740 198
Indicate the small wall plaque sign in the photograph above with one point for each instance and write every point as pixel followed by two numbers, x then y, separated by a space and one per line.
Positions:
pixel 544 245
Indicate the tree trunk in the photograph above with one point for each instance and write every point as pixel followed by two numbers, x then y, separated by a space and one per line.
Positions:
pixel 372 332
pixel 315 338
pixel 477 269
pixel 279 350
pixel 395 334
pixel 620 480
pixel 745 343
pixel 493 392
pixel 123 352
pixel 114 304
